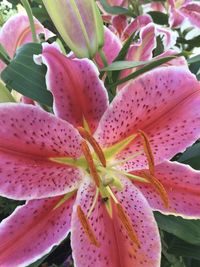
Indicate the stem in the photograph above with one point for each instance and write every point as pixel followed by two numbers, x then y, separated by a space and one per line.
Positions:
pixel 105 62
pixel 27 7
pixel 103 58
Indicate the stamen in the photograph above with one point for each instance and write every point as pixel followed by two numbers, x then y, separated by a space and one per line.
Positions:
pixel 160 188
pixel 111 194
pixel 127 224
pixel 148 152
pixel 87 227
pixel 99 152
pixel 88 157
pixel 93 203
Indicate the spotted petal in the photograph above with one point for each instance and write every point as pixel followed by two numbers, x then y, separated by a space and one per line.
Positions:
pixel 16 31
pixel 156 103
pixel 116 249
pixel 182 184
pixel 28 138
pixel 32 231
pixel 79 95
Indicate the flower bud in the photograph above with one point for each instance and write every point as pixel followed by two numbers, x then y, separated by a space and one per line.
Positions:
pixel 79 23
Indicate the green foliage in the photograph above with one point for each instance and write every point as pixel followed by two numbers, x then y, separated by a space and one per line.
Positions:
pixel 26 77
pixel 159 17
pixel 115 10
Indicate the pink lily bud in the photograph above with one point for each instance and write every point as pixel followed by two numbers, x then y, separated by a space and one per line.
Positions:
pixel 79 23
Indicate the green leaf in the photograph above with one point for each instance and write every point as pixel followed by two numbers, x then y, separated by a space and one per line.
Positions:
pixel 153 64
pixel 40 261
pixel 194 59
pixel 26 77
pixel 5 95
pixel 3 55
pixel 159 47
pixel 195 42
pixel 122 54
pixel 159 17
pixel 187 230
pixel 122 65
pixel 115 10
pixel 191 156
pixel 180 248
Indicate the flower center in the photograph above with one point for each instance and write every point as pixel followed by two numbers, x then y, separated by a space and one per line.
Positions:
pixel 99 165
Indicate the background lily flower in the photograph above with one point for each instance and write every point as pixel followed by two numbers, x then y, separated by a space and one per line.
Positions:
pixel 79 23
pixel 184 10
pixel 142 50
pixel 44 161
pixel 16 32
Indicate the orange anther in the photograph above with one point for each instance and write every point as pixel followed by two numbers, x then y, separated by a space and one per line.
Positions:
pixel 127 224
pixel 87 227
pixel 86 135
pixel 148 152
pixel 160 188
pixel 91 165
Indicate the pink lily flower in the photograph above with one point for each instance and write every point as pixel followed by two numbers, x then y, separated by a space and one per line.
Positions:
pixel 143 50
pixel 138 51
pixel 94 181
pixel 180 11
pixel 16 32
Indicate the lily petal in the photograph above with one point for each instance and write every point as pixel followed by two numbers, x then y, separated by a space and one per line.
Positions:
pixel 175 16
pixel 115 248
pixel 32 231
pixel 182 184
pixel 141 51
pixel 192 12
pixel 119 22
pixel 168 37
pixel 79 95
pixel 111 48
pixel 30 130
pixel 136 25
pixel 16 31
pixel 155 103
pixel 28 138
pixel 24 177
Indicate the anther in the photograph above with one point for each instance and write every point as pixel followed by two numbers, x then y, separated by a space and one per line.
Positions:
pixel 87 227
pixel 91 165
pixel 86 135
pixel 160 188
pixel 148 152
pixel 127 224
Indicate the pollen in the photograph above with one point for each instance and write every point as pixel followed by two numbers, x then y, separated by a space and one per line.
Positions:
pixel 88 156
pixel 148 152
pixel 160 188
pixel 99 152
pixel 127 224
pixel 87 227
